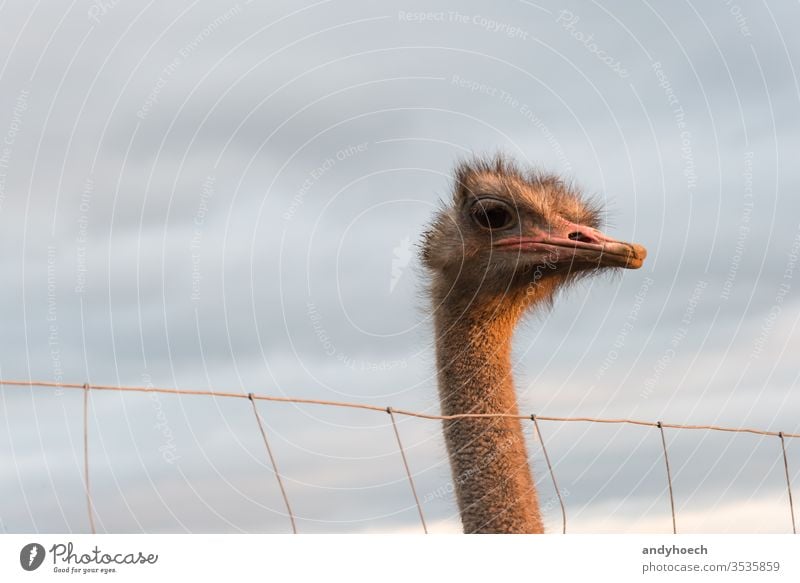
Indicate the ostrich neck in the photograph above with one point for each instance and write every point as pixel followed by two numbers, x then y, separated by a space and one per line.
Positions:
pixel 492 479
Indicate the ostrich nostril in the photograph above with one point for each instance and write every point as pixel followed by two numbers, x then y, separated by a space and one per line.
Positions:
pixel 578 236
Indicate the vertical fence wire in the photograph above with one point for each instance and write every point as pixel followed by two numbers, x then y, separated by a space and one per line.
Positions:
pixel 552 476
pixel 274 465
pixel 788 481
pixel 669 477
pixel 86 457
pixel 408 470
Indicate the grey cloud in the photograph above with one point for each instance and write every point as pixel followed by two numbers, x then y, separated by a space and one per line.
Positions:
pixel 304 249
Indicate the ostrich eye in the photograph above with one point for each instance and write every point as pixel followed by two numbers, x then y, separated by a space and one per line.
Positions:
pixel 492 214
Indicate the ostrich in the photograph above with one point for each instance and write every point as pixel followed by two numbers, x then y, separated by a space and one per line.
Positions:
pixel 506 243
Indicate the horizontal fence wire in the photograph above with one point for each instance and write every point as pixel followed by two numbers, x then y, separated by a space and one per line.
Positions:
pixel 252 397
pixel 382 409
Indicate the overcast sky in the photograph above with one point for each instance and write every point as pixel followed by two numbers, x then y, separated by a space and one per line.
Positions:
pixel 229 195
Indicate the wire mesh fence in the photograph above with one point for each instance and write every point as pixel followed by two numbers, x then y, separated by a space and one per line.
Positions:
pixel 392 413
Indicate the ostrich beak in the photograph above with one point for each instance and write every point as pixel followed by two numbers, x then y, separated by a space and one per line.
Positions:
pixel 578 244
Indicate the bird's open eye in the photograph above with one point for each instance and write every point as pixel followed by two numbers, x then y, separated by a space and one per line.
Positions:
pixel 492 214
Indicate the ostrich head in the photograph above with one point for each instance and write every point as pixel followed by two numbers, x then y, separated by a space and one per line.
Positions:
pixel 512 237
